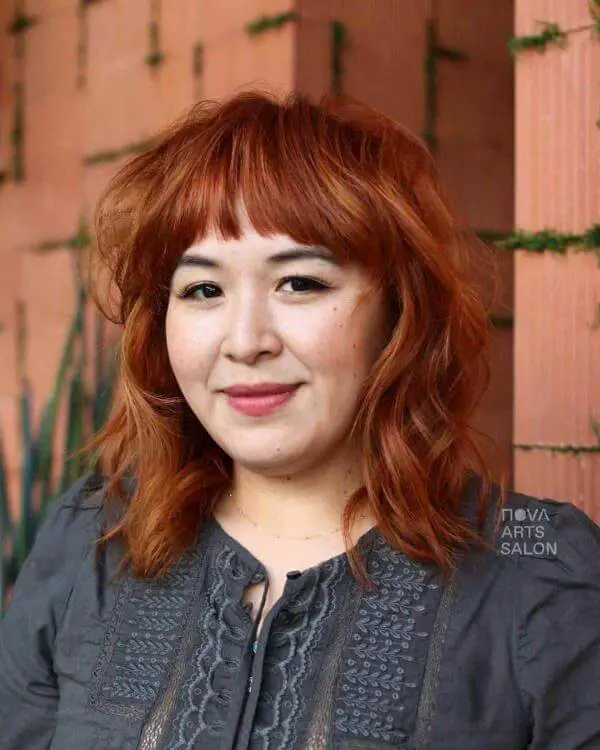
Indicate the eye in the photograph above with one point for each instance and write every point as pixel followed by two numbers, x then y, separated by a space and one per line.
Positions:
pixel 310 285
pixel 190 291
pixel 206 290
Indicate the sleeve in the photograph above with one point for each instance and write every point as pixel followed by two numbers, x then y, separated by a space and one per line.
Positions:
pixel 28 685
pixel 558 627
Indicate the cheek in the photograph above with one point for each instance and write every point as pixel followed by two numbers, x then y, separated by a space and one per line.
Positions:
pixel 342 344
pixel 175 338
pixel 186 352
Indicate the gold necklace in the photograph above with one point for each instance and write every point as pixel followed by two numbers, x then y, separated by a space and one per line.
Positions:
pixel 278 536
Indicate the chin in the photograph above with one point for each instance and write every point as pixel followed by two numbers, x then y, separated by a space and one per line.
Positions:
pixel 274 460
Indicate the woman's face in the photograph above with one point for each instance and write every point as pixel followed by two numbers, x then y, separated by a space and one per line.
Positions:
pixel 249 311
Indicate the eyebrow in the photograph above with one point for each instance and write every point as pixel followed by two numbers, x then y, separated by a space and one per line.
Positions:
pixel 285 256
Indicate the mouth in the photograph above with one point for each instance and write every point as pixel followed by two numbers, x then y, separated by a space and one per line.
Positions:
pixel 260 389
pixel 259 404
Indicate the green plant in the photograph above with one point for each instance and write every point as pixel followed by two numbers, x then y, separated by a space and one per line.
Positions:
pixel 102 157
pixel 154 57
pixel 594 6
pixel 264 22
pixel 17 133
pixel 338 37
pixel 20 23
pixel 87 410
pixel 80 240
pixel 198 59
pixel 550 34
pixel 435 52
pixel 550 240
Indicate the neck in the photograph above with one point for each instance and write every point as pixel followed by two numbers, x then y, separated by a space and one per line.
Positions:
pixel 295 504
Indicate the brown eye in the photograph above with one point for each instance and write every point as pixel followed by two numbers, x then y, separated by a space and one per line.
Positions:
pixel 305 283
pixel 210 291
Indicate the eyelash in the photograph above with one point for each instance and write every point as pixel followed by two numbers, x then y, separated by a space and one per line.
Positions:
pixel 318 286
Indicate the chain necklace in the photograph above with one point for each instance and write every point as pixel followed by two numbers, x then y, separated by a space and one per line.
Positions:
pixel 278 536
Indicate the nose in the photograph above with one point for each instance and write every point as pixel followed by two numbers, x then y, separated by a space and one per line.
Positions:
pixel 250 330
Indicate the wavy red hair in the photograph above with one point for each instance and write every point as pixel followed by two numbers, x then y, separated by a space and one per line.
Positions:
pixel 332 173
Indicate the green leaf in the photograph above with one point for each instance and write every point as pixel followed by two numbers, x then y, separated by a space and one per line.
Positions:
pixel 20 23
pixel 5 521
pixel 591 237
pixel 264 22
pixel 48 423
pixel 5 529
pixel 104 376
pixel 83 411
pixel 72 467
pixel 27 523
pixel 103 396
pixel 550 34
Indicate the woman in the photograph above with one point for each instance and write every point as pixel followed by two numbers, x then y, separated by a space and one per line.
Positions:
pixel 301 547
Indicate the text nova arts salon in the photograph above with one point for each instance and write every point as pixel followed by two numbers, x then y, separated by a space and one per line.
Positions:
pixel 526 534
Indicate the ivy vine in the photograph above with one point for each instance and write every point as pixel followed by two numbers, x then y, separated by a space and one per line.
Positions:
pixel 265 23
pixel 338 37
pixel 552 34
pixel 18 130
pixel 21 23
pixel 82 42
pixel 434 53
pixel 547 240
pixel 502 321
pixel 574 449
pixel 197 67
pixel 101 157
pixel 78 241
pixel 198 60
pixel 155 57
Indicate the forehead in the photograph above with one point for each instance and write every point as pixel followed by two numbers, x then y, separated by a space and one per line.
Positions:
pixel 250 240
pixel 251 248
pixel 213 250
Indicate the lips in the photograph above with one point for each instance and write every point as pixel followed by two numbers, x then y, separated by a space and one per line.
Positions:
pixel 260 400
pixel 260 389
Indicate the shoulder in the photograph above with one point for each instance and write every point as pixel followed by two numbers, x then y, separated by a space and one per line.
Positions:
pixel 536 530
pixel 84 501
pixel 68 533
pixel 69 528
pixel 65 538
pixel 528 528
pixel 553 552
pixel 545 556
pixel 554 548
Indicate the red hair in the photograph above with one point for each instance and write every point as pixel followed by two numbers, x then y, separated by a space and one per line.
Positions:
pixel 332 173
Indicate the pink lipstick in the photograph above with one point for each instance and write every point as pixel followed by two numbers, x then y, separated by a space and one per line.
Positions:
pixel 260 399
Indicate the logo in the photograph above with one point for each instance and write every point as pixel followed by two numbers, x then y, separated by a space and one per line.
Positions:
pixel 528 532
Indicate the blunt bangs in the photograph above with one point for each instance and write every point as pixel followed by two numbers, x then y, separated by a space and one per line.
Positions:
pixel 297 169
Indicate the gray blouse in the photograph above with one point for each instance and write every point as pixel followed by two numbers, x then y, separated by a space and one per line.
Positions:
pixel 505 656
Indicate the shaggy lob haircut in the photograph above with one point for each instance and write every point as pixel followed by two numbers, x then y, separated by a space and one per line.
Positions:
pixel 335 174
